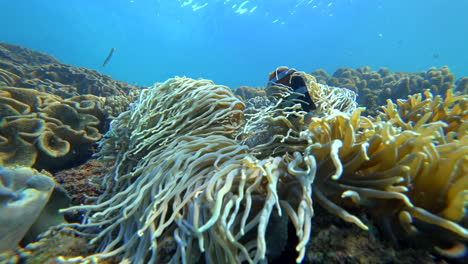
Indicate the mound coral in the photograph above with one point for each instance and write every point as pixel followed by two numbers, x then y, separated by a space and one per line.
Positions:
pixel 374 87
pixel 179 174
pixel 45 73
pixel 245 92
pixel 44 131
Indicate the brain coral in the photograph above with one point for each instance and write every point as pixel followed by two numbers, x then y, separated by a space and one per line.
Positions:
pixel 44 131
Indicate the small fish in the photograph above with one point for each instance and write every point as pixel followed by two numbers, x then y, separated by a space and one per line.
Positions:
pixel 285 76
pixel 108 57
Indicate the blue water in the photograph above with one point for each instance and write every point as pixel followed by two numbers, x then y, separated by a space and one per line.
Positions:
pixel 239 45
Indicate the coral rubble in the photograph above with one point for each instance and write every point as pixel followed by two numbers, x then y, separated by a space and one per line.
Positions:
pixel 76 181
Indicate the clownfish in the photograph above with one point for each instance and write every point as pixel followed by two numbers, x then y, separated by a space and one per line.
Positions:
pixel 284 75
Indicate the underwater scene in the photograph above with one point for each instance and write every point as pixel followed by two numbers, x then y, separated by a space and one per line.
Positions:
pixel 233 131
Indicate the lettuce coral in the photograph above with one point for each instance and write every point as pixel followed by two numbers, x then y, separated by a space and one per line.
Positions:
pixel 374 87
pixel 39 130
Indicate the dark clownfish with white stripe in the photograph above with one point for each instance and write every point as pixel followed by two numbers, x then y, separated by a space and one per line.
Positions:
pixel 284 75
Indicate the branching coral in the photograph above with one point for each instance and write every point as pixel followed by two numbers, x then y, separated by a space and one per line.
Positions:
pixel 179 174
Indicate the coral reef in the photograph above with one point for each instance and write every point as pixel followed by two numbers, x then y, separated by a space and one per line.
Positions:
pixel 55 246
pixel 193 174
pixel 391 166
pixel 24 68
pixel 462 85
pixel 29 203
pixel 374 87
pixel 45 131
pixel 46 74
pixel 245 93
pixel 20 55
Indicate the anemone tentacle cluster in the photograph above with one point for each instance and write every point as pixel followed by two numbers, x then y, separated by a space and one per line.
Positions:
pixel 189 164
pixel 178 173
